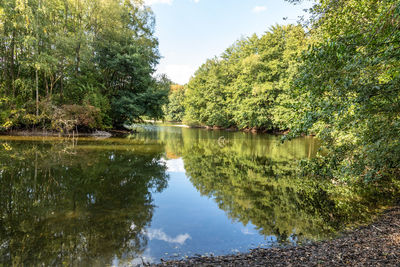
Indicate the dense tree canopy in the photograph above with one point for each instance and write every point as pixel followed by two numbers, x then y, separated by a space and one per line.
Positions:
pixel 175 110
pixel 247 85
pixel 347 89
pixel 81 63
pixel 89 64
pixel 339 80
pixel 253 179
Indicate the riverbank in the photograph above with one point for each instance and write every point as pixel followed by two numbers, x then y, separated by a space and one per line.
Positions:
pixel 253 130
pixel 377 244
pixel 119 133
pixel 45 133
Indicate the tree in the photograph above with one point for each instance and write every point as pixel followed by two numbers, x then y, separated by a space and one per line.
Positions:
pixel 248 86
pixel 100 54
pixel 175 110
pixel 348 90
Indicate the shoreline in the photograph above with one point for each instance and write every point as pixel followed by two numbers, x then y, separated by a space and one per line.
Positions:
pixel 119 133
pixel 377 244
pixel 231 129
pixel 45 133
pixel 72 134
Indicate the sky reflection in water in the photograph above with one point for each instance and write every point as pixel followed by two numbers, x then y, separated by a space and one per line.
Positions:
pixel 166 192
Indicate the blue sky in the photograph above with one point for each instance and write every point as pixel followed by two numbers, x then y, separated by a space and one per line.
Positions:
pixel 191 31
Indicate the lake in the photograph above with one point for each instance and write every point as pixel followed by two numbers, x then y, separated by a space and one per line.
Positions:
pixel 166 192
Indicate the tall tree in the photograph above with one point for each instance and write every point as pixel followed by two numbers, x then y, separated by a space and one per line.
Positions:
pixel 248 86
pixel 59 53
pixel 348 89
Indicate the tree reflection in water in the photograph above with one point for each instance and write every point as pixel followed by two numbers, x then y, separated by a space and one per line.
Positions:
pixel 85 204
pixel 90 202
pixel 254 179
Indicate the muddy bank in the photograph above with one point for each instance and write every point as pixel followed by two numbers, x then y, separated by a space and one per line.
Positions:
pixel 246 130
pixel 53 133
pixel 71 134
pixel 377 244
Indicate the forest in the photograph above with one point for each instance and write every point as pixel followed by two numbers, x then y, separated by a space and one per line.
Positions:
pixel 336 76
pixel 87 65
pixel 84 65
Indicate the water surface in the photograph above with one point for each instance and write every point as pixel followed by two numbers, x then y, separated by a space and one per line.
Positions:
pixel 166 192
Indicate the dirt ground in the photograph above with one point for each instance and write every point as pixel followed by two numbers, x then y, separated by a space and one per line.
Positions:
pixel 377 244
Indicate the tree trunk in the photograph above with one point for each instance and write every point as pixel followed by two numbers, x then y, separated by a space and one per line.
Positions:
pixel 78 58
pixel 12 63
pixel 37 55
pixel 37 92
pixel 62 85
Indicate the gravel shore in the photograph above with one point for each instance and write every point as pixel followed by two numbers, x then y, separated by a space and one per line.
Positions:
pixel 377 244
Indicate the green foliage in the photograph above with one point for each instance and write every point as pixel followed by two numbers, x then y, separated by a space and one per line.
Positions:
pixel 94 98
pixel 344 88
pixel 175 109
pixel 247 86
pixel 348 89
pixel 69 117
pixel 256 179
pixel 79 53
pixel 128 107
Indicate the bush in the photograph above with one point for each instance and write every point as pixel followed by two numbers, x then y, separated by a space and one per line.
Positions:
pixel 70 117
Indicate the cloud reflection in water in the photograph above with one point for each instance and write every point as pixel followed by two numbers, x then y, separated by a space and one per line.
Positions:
pixel 159 234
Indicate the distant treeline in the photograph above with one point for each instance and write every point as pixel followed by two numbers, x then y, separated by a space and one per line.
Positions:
pixel 67 64
pixel 248 86
pixel 337 76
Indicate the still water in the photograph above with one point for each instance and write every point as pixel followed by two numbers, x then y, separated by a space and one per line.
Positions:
pixel 166 192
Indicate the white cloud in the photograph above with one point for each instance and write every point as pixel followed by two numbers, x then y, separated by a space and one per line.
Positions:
pixel 258 9
pixel 153 2
pixel 196 1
